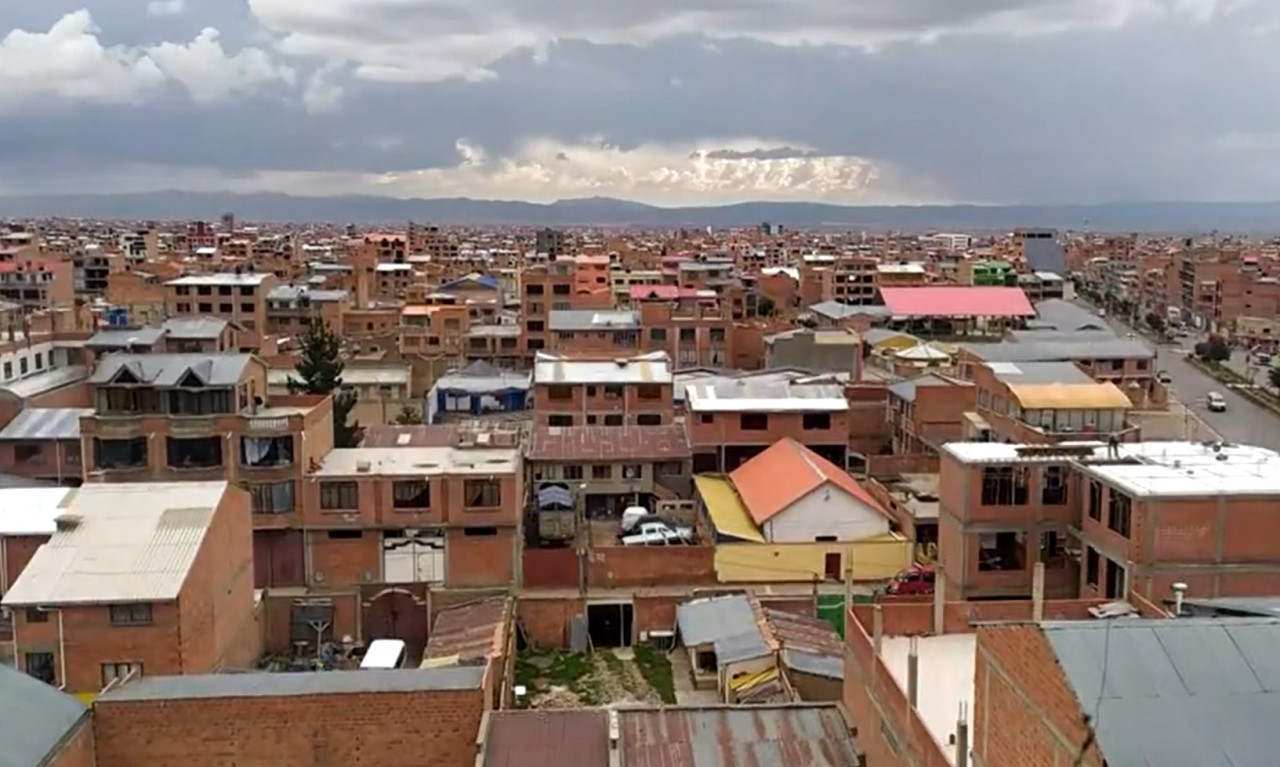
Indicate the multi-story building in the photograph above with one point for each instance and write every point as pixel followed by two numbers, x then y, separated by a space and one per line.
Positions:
pixel 591 331
pixel 1108 520
pixel 624 391
pixel 138 579
pixel 1045 402
pixel 240 297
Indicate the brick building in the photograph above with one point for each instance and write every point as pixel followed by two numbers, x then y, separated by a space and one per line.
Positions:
pixel 144 578
pixel 399 718
pixel 591 391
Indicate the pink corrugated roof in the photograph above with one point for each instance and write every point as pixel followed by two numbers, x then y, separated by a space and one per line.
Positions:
pixel 957 301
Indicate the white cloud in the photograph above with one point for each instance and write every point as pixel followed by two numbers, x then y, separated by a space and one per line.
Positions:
pixel 210 75
pixel 69 63
pixel 321 94
pixel 431 40
pixel 166 7
pixel 545 170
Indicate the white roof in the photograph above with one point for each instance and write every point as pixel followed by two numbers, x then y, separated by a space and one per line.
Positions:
pixel 132 542
pixel 30 510
pixel 900 268
pixel 351 376
pixel 423 462
pixel 1155 469
pixel 221 278
pixel 947 662
pixel 652 368
pixel 383 653
pixel 748 395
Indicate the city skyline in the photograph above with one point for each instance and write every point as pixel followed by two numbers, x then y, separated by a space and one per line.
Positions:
pixel 1046 102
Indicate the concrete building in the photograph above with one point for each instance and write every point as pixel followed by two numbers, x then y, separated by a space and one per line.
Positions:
pixel 143 578
pixel 589 391
pixel 239 297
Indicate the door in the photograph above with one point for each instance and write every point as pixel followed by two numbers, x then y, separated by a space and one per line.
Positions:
pixel 832 566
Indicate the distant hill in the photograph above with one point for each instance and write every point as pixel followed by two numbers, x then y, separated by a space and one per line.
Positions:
pixel 1172 217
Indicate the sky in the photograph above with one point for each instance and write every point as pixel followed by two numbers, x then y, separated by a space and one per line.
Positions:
pixel 669 102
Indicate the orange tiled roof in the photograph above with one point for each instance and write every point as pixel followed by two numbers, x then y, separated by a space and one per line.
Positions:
pixel 786 472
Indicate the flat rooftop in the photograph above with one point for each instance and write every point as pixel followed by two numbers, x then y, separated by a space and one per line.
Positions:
pixel 946 677
pixel 418 461
pixel 1150 469
pixel 264 685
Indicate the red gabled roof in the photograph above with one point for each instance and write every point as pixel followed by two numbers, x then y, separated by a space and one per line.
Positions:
pixel 785 473
pixel 957 301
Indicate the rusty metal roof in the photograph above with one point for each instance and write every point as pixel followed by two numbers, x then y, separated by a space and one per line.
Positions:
pixel 473 631
pixel 756 736
pixel 609 444
pixel 799 632
pixel 565 738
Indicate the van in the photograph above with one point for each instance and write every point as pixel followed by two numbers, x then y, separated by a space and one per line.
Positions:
pixel 384 653
pixel 1216 403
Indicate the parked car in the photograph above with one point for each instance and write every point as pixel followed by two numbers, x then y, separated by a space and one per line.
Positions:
pixel 914 580
pixel 1216 402
pixel 1163 377
pixel 658 534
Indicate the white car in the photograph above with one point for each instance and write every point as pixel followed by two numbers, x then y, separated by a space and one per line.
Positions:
pixel 658 534
pixel 1164 377
pixel 1216 403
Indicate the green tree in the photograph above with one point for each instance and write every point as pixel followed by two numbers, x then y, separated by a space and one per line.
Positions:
pixel 1155 322
pixel 1214 350
pixel 765 307
pixel 409 416
pixel 319 371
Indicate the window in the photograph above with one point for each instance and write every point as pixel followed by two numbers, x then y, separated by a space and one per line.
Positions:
pixel 533 290
pixel 657 335
pixel 24 453
pixel 559 420
pixel 1119 513
pixel 480 532
pixel 753 421
pixel 224 308
pixel 260 452
pixel 8 370
pixel 560 290
pixel 572 471
pixel 649 391
pixel 345 535
pixel 22 366
pixel 481 494
pixel 613 419
pixel 560 392
pixel 36 615
pixel 1095 500
pixel 706 418
pixel 272 497
pixel 1001 552
pixel 816 421
pixel 669 468
pixel 535 326
pixel 649 419
pixel 135 614
pixel 631 471
pixel 113 671
pixel 1117 364
pixel 411 494
pixel 39 361
pixel 224 290
pixel 688 335
pixel 613 391
pixel 40 666
pixel 204 308
pixel 600 471
pixel 1054 492
pixel 1091 567
pixel 194 453
pixel 1004 486
pixel 335 496
pixel 120 453
pixel 246 292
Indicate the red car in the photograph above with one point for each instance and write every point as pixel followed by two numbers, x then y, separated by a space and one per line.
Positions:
pixel 913 580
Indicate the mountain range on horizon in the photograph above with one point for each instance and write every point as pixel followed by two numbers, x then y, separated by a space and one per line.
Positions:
pixel 1163 217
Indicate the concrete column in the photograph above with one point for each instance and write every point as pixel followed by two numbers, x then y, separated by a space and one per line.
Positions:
pixel 1037 592
pixel 939 602
pixel 913 673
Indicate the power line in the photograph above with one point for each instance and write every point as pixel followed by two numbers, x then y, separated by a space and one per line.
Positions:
pixel 1090 720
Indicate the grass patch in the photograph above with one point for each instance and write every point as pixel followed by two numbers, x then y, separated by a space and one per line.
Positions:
pixel 540 670
pixel 655 667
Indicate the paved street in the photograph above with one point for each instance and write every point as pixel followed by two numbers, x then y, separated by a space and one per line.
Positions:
pixel 1243 422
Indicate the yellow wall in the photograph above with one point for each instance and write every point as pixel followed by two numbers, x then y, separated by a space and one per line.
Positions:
pixel 873 560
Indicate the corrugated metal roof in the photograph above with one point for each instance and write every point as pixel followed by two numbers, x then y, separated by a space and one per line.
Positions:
pixel 194 328
pixel 778 736
pixel 806 662
pixel 592 319
pixel 36 717
pixel 40 423
pixel 726 622
pixel 1185 691
pixel 134 542
pixel 906 390
pixel 957 301
pixel 170 369
pixel 547 739
pixel 205 686
pixel 125 339
pixel 1070 396
pixel 609 444
pixel 1033 351
pixel 651 368
pixel 1038 372
pixel 754 394
pixel 740 647
pixel 724 507
pixel 471 632
pixel 50 380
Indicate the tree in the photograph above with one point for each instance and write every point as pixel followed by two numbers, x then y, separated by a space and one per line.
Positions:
pixel 409 416
pixel 1155 322
pixel 765 307
pixel 319 371
pixel 1214 350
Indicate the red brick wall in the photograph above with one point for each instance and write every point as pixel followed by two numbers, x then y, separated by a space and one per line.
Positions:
pixel 546 621
pixel 77 751
pixel 216 606
pixel 1021 699
pixel 550 569
pixel 18 550
pixel 416 729
pixel 613 566
pixel 474 561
